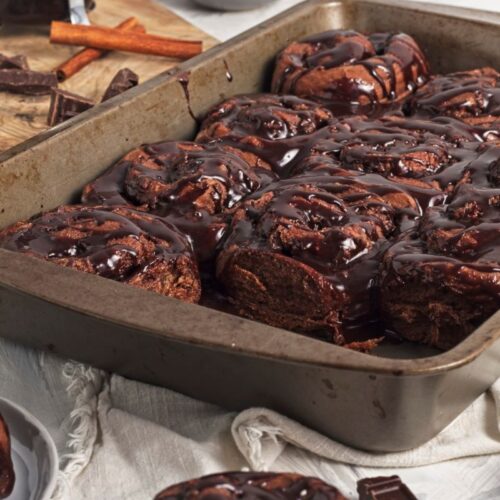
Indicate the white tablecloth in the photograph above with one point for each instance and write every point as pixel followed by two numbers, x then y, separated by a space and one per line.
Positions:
pixel 124 440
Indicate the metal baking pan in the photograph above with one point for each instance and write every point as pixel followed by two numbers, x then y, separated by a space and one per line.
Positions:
pixel 372 402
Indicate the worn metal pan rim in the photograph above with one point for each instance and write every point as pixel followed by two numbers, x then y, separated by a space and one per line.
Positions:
pixel 14 276
pixel 65 288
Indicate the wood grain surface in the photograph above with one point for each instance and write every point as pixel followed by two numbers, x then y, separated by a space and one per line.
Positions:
pixel 22 117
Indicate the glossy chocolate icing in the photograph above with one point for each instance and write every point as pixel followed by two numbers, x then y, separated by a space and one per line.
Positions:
pixel 118 243
pixel 391 146
pixel 334 226
pixel 250 486
pixel 472 96
pixel 266 116
pixel 351 73
pixel 193 186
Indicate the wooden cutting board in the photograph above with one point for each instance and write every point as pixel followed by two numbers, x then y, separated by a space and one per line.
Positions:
pixel 22 117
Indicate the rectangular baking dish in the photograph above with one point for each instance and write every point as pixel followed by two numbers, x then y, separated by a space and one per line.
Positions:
pixel 372 402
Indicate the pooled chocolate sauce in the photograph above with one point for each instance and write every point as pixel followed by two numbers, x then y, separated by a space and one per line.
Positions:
pixel 396 146
pixel 265 116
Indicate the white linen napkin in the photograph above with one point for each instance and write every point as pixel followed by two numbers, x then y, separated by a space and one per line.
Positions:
pixel 124 440
pixel 262 434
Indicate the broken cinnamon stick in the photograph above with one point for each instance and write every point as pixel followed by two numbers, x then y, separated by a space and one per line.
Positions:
pixel 112 39
pixel 85 56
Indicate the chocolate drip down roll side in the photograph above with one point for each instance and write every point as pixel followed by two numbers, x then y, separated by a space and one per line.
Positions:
pixel 118 243
pixel 351 73
pixel 250 486
pixel 194 186
pixel 303 255
pixel 442 280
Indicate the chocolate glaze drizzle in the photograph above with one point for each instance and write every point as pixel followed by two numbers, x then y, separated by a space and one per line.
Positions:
pixel 350 73
pixel 193 186
pixel 252 485
pixel 472 96
pixel 117 243
pixel 183 79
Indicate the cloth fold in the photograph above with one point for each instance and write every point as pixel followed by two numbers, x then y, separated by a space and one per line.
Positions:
pixel 123 440
pixel 261 436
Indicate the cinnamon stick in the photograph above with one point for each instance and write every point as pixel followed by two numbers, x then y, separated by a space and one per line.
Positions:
pixel 112 39
pixel 85 56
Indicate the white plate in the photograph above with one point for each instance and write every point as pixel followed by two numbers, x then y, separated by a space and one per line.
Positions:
pixel 33 453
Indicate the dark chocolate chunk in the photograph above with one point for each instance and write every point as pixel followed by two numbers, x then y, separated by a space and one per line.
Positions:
pixel 64 105
pixel 123 80
pixel 36 11
pixel 384 488
pixel 22 81
pixel 14 62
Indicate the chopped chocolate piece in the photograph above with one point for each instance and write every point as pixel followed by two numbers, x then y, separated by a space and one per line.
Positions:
pixel 7 477
pixel 14 62
pixel 384 488
pixel 64 105
pixel 123 80
pixel 23 81
pixel 251 486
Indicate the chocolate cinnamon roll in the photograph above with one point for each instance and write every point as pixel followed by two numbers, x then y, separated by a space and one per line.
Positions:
pixel 250 486
pixel 118 243
pixel 351 73
pixel 395 147
pixel 192 185
pixel 408 197
pixel 471 96
pixel 303 255
pixel 442 280
pixel 7 476
pixel 257 120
